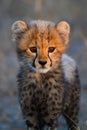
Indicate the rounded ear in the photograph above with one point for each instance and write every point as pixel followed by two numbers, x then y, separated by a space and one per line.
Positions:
pixel 63 29
pixel 17 29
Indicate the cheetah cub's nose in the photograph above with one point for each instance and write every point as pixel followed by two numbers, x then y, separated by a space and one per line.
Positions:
pixel 42 62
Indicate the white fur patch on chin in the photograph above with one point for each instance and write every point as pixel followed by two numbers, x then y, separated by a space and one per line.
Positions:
pixel 44 70
pixel 69 67
pixel 41 70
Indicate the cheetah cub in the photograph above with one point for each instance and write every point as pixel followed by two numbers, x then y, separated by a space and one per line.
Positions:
pixel 48 80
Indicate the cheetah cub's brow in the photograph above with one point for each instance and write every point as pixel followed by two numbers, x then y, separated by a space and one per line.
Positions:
pixel 41 23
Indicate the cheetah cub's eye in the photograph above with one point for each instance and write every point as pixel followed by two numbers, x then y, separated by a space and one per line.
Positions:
pixel 51 49
pixel 33 49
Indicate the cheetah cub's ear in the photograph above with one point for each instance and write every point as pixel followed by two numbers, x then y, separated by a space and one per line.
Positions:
pixel 63 29
pixel 18 28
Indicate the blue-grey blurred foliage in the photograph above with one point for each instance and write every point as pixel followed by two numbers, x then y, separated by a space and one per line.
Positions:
pixel 73 11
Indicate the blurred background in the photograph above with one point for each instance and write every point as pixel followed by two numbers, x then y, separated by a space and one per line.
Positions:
pixel 73 11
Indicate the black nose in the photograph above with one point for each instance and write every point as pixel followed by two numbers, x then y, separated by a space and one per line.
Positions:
pixel 42 62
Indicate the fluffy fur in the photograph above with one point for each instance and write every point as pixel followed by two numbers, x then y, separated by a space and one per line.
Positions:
pixel 69 67
pixel 48 80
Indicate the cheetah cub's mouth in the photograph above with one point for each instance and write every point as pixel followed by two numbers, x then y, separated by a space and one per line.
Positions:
pixel 44 70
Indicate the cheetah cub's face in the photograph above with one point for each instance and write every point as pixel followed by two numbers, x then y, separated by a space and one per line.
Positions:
pixel 40 44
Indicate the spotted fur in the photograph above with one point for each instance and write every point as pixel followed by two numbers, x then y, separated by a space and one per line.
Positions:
pixel 48 80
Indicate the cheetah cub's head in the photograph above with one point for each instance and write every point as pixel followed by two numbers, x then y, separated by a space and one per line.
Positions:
pixel 40 44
